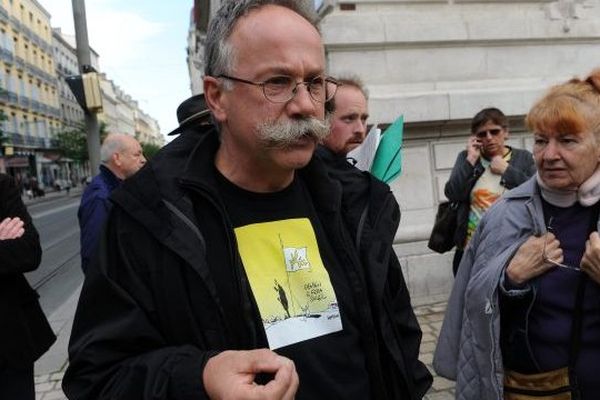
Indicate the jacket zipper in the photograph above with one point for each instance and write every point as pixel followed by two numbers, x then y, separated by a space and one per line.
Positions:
pixel 235 260
pixel 500 384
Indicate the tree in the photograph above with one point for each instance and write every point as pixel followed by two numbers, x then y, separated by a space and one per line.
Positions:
pixel 149 150
pixel 3 137
pixel 73 141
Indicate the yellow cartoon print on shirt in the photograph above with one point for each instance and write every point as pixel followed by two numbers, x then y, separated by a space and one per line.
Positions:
pixel 289 281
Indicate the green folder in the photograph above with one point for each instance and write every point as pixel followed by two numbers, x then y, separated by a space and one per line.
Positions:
pixel 387 164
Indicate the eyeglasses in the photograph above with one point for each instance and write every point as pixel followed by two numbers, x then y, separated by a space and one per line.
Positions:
pixel 281 89
pixel 493 132
pixel 549 260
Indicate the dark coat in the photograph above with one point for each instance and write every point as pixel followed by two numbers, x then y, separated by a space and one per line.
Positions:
pixel 25 334
pixel 521 167
pixel 93 211
pixel 161 316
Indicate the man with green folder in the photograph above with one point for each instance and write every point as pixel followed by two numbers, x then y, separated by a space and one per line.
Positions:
pixel 348 112
pixel 387 164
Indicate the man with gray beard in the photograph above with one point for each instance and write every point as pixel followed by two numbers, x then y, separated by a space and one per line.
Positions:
pixel 233 266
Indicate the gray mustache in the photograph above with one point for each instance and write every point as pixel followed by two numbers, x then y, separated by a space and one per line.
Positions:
pixel 282 134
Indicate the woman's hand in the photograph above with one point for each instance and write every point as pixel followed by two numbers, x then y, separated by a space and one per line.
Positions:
pixel 590 262
pixel 473 149
pixel 531 258
pixel 498 165
pixel 11 228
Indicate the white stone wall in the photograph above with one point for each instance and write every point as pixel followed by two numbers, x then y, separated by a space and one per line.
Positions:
pixel 438 63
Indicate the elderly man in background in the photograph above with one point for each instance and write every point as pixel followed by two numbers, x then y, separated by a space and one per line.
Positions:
pixel 121 156
pixel 233 266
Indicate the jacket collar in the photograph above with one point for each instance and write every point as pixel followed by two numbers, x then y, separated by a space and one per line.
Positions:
pixel 111 180
pixel 529 188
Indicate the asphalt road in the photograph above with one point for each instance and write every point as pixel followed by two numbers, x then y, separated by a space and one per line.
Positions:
pixel 59 274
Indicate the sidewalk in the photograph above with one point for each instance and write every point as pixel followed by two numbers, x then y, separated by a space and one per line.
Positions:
pixel 51 367
pixel 54 194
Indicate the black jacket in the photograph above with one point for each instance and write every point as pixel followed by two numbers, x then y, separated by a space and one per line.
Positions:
pixel 150 314
pixel 25 334
pixel 464 176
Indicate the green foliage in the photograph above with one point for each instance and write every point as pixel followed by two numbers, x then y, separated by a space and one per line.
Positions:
pixel 3 136
pixel 149 150
pixel 73 143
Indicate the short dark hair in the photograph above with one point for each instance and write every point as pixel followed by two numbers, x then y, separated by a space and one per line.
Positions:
pixel 347 80
pixel 486 115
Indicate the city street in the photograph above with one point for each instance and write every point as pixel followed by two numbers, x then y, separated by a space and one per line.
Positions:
pixel 59 275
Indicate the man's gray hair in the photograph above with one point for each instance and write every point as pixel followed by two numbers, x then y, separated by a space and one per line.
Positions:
pixel 112 144
pixel 219 55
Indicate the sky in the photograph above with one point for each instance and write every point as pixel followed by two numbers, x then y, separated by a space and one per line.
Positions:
pixel 142 47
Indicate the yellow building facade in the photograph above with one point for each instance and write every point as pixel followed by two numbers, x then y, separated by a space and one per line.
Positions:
pixel 28 96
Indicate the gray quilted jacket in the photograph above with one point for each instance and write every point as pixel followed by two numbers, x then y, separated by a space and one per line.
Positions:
pixel 468 349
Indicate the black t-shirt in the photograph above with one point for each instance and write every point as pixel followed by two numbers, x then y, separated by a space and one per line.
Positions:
pixel 280 238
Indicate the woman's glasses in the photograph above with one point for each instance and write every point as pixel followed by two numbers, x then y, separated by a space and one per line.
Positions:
pixel 483 134
pixel 551 261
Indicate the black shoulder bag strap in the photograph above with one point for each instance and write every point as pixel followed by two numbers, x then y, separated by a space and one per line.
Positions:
pixel 576 337
pixel 576 326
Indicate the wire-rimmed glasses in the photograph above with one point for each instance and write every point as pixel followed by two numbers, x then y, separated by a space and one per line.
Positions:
pixel 281 89
pixel 551 261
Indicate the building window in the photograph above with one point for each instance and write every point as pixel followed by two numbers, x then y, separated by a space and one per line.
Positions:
pixel 9 82
pixel 27 126
pixel 15 122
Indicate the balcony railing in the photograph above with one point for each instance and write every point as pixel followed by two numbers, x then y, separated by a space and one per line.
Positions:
pixel 40 73
pixel 15 21
pixel 24 101
pixel 9 96
pixel 6 55
pixel 4 13
pixel 28 32
pixel 19 139
pixel 20 62
pixel 36 105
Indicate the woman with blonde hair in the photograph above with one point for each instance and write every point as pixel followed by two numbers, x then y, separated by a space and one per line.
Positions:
pixel 523 319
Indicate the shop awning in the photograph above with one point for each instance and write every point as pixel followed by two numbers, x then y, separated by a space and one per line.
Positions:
pixel 16 162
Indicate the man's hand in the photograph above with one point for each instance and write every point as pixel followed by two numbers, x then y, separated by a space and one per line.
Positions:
pixel 529 261
pixel 473 149
pixel 230 376
pixel 11 228
pixel 498 165
pixel 590 262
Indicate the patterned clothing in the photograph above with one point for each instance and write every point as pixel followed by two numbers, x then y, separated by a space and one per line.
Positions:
pixel 486 191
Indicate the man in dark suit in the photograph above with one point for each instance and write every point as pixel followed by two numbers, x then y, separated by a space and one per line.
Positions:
pixel 25 333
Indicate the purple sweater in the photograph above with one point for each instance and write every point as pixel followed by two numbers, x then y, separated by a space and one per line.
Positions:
pixel 552 313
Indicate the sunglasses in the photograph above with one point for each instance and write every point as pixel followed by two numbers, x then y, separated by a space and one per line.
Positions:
pixel 493 132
